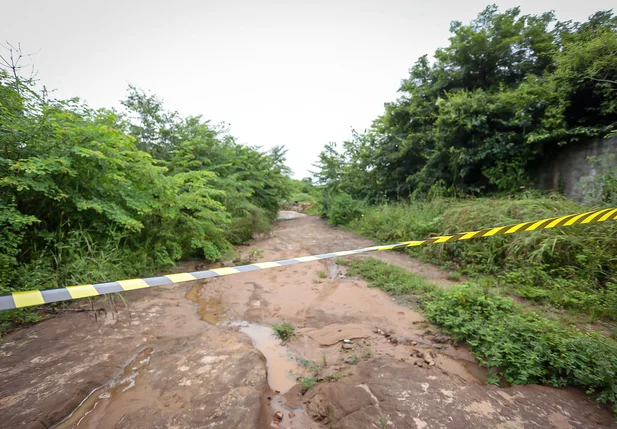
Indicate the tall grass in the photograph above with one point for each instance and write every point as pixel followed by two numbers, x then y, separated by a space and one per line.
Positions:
pixel 573 267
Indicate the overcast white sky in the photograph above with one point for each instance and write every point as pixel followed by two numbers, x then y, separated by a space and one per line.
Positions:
pixel 294 73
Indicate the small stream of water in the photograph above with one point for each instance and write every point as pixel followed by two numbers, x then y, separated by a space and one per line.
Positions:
pixel 282 366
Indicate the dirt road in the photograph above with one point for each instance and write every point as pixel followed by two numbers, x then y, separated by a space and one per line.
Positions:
pixel 202 355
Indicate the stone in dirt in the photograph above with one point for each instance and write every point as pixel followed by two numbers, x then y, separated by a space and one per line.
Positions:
pixel 348 347
pixel 278 416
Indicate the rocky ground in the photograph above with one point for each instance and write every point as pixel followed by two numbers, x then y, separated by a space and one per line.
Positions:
pixel 201 355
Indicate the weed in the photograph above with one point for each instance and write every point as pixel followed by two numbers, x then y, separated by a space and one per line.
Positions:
pixel 324 361
pixel 9 319
pixel 322 274
pixel 310 365
pixel 253 255
pixel 368 353
pixel 388 277
pixel 455 277
pixel 383 423
pixel 284 331
pixel 352 360
pixel 335 376
pixel 316 282
pixel 308 382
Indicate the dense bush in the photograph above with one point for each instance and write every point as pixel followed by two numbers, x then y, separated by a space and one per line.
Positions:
pixel 340 209
pixel 506 94
pixel 96 195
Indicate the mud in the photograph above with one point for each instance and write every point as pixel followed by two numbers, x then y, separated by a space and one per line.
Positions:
pixel 203 355
pixel 282 365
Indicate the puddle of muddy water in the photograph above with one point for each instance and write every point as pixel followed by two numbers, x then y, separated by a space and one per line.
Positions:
pixel 467 370
pixel 99 398
pixel 210 310
pixel 281 364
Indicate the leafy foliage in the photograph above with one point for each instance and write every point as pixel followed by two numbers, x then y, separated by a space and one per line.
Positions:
pixel 507 93
pixel 95 195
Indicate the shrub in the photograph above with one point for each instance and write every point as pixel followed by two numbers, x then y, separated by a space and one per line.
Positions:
pixel 341 209
pixel 284 331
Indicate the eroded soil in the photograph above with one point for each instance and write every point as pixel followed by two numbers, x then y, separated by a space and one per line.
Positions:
pixel 201 354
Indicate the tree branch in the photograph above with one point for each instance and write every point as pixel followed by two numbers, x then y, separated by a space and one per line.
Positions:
pixel 604 80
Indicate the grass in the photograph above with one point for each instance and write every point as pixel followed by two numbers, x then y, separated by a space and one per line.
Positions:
pixel 306 382
pixel 519 345
pixel 284 331
pixel 254 254
pixel 455 277
pixel 322 274
pixel 10 319
pixel 352 360
pixel 388 277
pixel 573 268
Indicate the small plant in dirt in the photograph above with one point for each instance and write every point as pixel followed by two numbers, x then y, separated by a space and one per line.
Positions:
pixel 254 254
pixel 310 365
pixel 308 382
pixel 322 274
pixel 368 353
pixel 455 277
pixel 284 331
pixel 335 376
pixel 382 422
pixel 352 360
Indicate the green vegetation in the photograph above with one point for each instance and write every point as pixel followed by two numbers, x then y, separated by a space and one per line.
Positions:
pixel 455 277
pixel 322 274
pixel 284 331
pixel 506 94
pixel 573 268
pixel 352 360
pixel 303 191
pixel 306 382
pixel 254 254
pixel 96 195
pixel 520 345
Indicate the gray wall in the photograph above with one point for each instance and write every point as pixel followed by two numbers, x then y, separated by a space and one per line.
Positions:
pixel 569 170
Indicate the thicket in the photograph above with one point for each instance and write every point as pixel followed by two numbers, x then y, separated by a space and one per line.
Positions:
pixel 508 92
pixel 457 152
pixel 96 195
pixel 519 345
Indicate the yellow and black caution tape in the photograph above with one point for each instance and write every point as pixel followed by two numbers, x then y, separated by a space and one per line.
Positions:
pixel 36 297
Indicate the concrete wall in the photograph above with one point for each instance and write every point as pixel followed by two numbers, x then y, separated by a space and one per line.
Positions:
pixel 569 169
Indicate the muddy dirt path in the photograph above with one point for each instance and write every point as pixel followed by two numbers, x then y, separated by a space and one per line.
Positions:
pixel 202 354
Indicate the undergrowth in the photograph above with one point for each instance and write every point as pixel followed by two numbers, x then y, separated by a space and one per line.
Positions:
pixel 520 345
pixel 572 268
